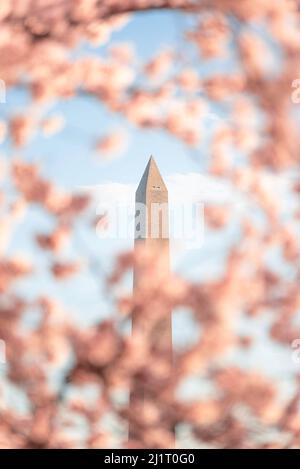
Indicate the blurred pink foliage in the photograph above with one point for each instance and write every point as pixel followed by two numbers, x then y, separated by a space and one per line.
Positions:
pixel 246 409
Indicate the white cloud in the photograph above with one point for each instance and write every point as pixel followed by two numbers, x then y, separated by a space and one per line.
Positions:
pixel 195 187
pixel 186 190
pixel 188 193
pixel 183 188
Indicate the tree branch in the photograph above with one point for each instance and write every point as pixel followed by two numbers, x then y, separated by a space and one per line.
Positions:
pixel 104 12
pixel 137 7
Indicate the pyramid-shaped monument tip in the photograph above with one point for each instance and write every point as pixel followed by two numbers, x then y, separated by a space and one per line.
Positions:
pixel 151 178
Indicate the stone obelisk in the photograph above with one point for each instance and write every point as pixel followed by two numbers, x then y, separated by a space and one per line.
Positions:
pixel 152 233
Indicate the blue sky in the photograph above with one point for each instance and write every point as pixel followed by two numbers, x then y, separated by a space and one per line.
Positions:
pixel 69 160
pixel 65 157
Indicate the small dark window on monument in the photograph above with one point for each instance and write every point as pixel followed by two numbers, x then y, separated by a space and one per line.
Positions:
pixel 156 187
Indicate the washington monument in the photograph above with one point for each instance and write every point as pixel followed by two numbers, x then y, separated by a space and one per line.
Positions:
pixel 152 233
